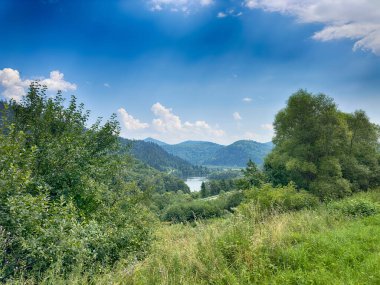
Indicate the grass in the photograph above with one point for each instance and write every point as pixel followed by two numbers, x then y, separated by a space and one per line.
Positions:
pixel 320 246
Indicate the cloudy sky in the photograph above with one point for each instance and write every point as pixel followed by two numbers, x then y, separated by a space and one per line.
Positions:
pixel 215 70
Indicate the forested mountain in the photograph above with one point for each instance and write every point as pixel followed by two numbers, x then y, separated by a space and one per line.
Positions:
pixel 148 177
pixel 156 157
pixel 196 152
pixel 160 143
pixel 208 153
pixel 238 153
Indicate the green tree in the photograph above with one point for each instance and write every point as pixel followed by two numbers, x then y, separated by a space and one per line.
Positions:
pixel 63 193
pixel 204 191
pixel 320 148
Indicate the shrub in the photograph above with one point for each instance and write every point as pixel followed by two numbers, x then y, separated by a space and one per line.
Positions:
pixel 282 198
pixel 356 207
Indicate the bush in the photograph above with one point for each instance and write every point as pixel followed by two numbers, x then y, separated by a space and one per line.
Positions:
pixel 202 209
pixel 282 198
pixel 356 207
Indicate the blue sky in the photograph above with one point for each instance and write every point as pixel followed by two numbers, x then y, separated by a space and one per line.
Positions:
pixel 175 70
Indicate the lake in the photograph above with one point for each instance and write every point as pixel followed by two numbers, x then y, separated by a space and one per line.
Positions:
pixel 195 183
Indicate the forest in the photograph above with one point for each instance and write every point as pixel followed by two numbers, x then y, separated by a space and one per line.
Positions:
pixel 77 207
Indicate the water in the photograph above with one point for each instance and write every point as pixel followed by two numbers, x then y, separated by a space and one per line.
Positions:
pixel 195 183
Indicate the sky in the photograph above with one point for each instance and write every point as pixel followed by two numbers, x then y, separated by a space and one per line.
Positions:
pixel 176 70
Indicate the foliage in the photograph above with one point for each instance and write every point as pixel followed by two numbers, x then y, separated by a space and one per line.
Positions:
pixel 356 207
pixel 215 187
pixel 64 199
pixel 323 150
pixel 150 180
pixel 281 198
pixel 252 177
pixel 202 209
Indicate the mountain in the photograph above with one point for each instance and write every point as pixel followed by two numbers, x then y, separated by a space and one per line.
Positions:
pixel 212 154
pixel 238 154
pixel 155 156
pixel 152 140
pixel 196 152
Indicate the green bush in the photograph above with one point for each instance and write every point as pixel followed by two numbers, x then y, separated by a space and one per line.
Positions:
pixel 281 198
pixel 189 211
pixel 356 207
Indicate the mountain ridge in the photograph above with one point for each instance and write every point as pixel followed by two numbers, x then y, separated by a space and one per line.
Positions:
pixel 208 153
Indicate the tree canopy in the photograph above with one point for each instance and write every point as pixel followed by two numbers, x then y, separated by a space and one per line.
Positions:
pixel 322 149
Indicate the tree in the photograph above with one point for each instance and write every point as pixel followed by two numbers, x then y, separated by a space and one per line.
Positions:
pixel 63 195
pixel 204 191
pixel 318 147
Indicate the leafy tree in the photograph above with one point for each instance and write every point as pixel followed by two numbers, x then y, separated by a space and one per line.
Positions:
pixel 63 194
pixel 322 149
pixel 204 192
pixel 252 176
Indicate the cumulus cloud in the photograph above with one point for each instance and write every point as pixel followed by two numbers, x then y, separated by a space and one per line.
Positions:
pixel 178 5
pixel 170 126
pixel 247 99
pixel 129 122
pixel 237 116
pixel 358 20
pixel 15 87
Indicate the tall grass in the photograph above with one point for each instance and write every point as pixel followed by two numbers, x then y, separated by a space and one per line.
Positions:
pixel 326 245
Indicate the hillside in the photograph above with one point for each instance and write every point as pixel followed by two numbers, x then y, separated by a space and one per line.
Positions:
pixel 156 157
pixel 208 153
pixel 160 143
pixel 196 152
pixel 238 153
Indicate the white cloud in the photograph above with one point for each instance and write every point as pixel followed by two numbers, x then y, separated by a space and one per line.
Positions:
pixel 15 87
pixel 237 116
pixel 358 20
pixel 56 82
pixel 129 122
pixel 170 127
pixel 178 5
pixel 267 127
pixel 247 99
pixel 106 85
pixel 221 15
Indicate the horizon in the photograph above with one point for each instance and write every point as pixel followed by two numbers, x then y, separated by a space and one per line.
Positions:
pixel 199 70
pixel 161 141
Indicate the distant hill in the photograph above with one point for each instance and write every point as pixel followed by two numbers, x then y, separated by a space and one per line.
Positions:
pixel 196 152
pixel 155 156
pixel 238 153
pixel 160 143
pixel 212 154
